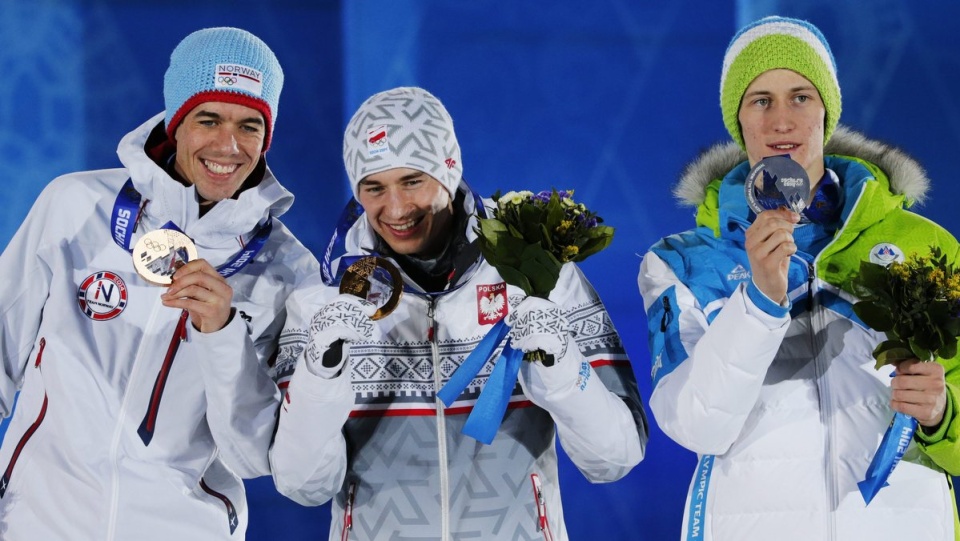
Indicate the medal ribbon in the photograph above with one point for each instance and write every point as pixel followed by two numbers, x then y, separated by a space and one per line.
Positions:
pixel 484 421
pixel 125 218
pixel 894 443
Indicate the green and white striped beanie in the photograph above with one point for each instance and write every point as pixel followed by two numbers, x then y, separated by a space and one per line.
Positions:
pixel 778 43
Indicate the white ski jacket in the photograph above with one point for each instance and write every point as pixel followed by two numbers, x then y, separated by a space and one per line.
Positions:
pixel 393 458
pixel 130 424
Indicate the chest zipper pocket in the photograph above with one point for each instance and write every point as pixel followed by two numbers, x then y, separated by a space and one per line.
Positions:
pixel 543 525
pixel 31 430
pixel 149 423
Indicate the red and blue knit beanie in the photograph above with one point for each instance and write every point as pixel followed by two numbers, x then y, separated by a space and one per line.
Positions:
pixel 224 65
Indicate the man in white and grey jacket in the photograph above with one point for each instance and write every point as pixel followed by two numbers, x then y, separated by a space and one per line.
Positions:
pixel 361 422
pixel 141 407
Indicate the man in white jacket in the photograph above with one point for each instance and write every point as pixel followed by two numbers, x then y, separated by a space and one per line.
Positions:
pixel 147 304
pixel 760 364
pixel 361 422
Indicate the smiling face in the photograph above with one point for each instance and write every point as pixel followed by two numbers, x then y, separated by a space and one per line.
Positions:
pixel 781 113
pixel 409 209
pixel 218 146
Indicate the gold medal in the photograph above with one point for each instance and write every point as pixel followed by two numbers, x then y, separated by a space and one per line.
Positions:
pixel 376 280
pixel 158 254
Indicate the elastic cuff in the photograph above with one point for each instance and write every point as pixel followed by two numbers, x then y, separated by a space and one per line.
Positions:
pixel 761 301
pixel 941 432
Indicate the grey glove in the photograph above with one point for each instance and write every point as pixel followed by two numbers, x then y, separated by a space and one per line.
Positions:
pixel 540 324
pixel 344 319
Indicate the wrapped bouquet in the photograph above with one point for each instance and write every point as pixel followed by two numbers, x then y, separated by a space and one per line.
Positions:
pixel 917 304
pixel 528 238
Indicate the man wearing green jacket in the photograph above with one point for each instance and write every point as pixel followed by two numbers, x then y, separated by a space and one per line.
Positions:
pixel 760 364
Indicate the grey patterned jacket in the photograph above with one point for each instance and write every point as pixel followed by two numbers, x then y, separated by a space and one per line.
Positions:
pixel 379 443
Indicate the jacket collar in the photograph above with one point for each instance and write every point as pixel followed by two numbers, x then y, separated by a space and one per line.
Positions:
pixel 172 201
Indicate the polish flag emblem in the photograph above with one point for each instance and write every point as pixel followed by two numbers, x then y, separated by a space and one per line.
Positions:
pixel 491 303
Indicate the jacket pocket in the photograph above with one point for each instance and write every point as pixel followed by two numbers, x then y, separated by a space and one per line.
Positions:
pixel 232 519
pixel 540 503
pixel 663 326
pixel 348 511
pixel 31 430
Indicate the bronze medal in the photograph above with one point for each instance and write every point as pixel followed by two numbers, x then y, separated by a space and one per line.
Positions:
pixel 376 280
pixel 158 254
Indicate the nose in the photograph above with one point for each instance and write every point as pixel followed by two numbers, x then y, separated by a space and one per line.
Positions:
pixel 396 206
pixel 226 141
pixel 781 118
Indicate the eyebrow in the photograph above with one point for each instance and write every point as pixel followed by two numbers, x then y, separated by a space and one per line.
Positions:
pixel 792 90
pixel 216 116
pixel 411 176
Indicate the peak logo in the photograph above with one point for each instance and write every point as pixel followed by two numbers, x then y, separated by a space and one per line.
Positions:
pixel 738 273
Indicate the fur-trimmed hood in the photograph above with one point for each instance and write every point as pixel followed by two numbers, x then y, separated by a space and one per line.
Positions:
pixel 906 175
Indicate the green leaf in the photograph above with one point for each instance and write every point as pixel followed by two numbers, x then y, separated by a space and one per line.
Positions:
pixel 873 276
pixel 541 268
pixel 599 238
pixel 949 350
pixel 919 351
pixel 890 351
pixel 547 240
pixel 516 278
pixel 876 317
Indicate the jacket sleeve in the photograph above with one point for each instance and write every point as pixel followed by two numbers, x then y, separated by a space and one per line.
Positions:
pixel 596 406
pixel 707 374
pixel 309 454
pixel 242 399
pixel 27 274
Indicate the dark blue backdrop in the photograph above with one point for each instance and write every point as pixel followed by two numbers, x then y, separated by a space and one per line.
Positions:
pixel 611 100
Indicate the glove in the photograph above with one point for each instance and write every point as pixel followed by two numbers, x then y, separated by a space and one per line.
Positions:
pixel 539 324
pixel 345 318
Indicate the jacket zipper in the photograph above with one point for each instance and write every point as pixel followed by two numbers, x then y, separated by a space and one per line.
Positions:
pixel 232 519
pixel 826 403
pixel 543 526
pixel 441 422
pixel 8 473
pixel 348 512
pixel 149 422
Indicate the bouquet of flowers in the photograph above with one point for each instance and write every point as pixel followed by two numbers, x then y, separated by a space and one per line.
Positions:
pixel 917 304
pixel 528 239
pixel 531 236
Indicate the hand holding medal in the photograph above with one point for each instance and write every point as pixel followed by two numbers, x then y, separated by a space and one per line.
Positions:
pixel 775 182
pixel 375 280
pixel 161 255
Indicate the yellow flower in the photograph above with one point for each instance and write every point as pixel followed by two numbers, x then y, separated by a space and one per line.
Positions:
pixel 953 288
pixel 569 252
pixel 900 270
pixel 564 226
pixel 936 276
